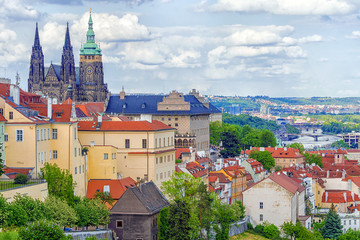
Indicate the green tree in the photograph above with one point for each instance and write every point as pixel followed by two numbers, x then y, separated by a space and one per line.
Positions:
pixel 163 224
pixel 41 230
pixel 297 231
pixel 216 129
pixel 181 186
pixel 60 182
pixel 350 235
pixel 34 208
pixel 204 210
pixel 60 212
pixel 332 226
pixel 17 216
pixel 4 212
pixel 224 216
pixel 340 144
pixel 271 231
pixel 231 144
pixel 267 138
pixel 264 157
pixel 313 158
pixel 298 146
pixel 91 213
pixel 179 220
pixel 104 197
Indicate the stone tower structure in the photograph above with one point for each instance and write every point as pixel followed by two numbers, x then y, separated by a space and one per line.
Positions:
pixel 67 71
pixel 92 87
pixel 36 72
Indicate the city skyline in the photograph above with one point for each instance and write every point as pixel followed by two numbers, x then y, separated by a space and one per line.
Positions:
pixel 219 47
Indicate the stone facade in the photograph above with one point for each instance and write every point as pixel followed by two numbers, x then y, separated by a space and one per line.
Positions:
pixel 85 83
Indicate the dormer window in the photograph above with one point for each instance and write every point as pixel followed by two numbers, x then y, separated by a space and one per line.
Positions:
pixel 58 114
pixel 124 106
pixel 143 105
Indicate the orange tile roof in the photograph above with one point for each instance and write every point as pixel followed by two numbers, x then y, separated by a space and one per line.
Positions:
pixel 203 160
pixel 222 177
pixel 2 118
pixel 196 169
pixel 61 112
pixel 123 126
pixel 338 196
pixel 278 152
pixel 117 186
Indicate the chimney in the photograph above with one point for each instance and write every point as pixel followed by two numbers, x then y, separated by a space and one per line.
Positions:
pixel 276 148
pixel 106 189
pixel 353 196
pixel 326 196
pixel 327 174
pixel 99 118
pixel 285 149
pixel 345 196
pixel 262 149
pixel 49 108
pixel 343 174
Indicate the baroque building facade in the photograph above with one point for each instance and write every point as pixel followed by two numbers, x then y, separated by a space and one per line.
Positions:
pixel 82 84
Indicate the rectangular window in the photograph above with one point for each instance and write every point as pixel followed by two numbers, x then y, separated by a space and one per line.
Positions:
pixel 37 135
pixel 54 134
pixel 54 154
pixel 161 159
pixel 261 205
pixel 11 115
pixel 75 170
pixel 6 137
pixel 155 143
pixel 113 169
pixel 45 156
pixel 1 111
pixel 74 152
pixel 144 143
pixel 41 134
pixel 119 224
pixel 48 133
pixel 106 156
pixel 127 143
pixel 80 169
pixel 176 124
pixel 74 132
pixel 41 154
pixel 261 217
pixel 19 135
pixel 50 154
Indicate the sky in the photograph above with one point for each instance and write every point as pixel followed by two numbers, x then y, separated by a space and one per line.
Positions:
pixel 278 48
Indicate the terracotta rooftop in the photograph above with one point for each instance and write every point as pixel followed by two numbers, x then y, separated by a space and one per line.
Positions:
pixel 339 196
pixel 117 186
pixel 222 177
pixel 287 183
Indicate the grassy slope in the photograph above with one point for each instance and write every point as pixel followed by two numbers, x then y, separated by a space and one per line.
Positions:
pixel 247 236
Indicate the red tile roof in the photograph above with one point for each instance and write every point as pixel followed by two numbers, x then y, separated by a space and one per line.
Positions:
pixel 222 177
pixel 117 186
pixel 2 118
pixel 338 196
pixel 196 169
pixel 61 112
pixel 255 165
pixel 13 172
pixel 123 126
pixel 278 152
pixel 203 160
pixel 287 183
pixel 179 151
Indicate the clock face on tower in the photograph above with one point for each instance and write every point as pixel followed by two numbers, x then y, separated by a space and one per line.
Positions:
pixel 89 71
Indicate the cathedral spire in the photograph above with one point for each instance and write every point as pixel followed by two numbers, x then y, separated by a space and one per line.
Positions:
pixel 67 44
pixel 90 35
pixel 37 39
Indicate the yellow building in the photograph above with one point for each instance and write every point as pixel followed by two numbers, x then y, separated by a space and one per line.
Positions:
pixel 141 149
pixel 31 140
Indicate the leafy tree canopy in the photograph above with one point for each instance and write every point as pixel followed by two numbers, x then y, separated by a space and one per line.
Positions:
pixel 264 157
pixel 313 158
pixel 60 182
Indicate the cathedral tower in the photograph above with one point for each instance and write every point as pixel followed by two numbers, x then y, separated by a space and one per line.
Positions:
pixel 36 73
pixel 67 71
pixel 92 87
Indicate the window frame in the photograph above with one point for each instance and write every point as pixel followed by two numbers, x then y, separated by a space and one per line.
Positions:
pixel 54 133
pixel 17 135
pixel 122 224
pixel 127 143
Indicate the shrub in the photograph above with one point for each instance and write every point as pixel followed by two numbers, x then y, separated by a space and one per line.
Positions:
pixel 91 238
pixel 259 229
pixel 271 231
pixel 21 179
pixel 178 161
pixel 40 230
pixel 250 226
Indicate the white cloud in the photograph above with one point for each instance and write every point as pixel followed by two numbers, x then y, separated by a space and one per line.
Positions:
pixel 286 7
pixel 17 9
pixel 11 50
pixel 110 27
pixel 354 35
pixel 252 37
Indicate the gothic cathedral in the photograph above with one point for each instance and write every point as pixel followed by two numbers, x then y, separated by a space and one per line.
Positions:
pixel 81 84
